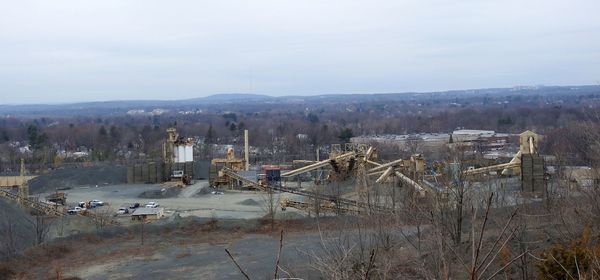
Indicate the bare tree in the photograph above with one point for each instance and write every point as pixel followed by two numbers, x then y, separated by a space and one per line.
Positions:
pixel 270 204
pixel 40 225
pixel 9 246
pixel 101 217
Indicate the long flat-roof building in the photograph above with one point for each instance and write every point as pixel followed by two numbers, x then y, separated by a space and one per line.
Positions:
pixel 147 214
pixel 482 140
pixel 428 139
pixel 471 134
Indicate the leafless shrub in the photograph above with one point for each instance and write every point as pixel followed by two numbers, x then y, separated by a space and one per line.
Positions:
pixel 270 205
pixel 40 225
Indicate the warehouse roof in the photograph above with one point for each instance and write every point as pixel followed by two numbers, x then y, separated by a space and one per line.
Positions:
pixel 147 211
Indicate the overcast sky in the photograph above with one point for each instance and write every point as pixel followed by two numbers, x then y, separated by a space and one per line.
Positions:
pixel 67 51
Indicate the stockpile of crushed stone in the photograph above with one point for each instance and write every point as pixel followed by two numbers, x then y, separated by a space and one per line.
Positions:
pixel 204 191
pixel 74 177
pixel 248 202
pixel 162 193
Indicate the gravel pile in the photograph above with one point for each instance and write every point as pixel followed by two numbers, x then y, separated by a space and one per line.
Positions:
pixel 74 177
pixel 162 193
pixel 204 191
pixel 248 202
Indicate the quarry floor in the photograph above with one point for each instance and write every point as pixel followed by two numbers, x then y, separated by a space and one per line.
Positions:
pixel 179 253
pixel 194 200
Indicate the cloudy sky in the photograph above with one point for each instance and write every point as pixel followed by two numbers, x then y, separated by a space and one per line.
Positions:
pixel 67 51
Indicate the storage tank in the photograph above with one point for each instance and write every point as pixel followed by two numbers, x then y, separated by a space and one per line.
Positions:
pixel 189 153
pixel 179 154
pixel 184 153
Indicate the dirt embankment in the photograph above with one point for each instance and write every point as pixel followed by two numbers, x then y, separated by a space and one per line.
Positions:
pixel 73 177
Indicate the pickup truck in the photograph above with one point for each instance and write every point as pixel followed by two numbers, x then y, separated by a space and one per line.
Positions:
pixel 75 210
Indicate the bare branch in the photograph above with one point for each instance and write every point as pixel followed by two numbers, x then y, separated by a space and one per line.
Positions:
pixel 236 264
pixel 498 240
pixel 278 254
pixel 370 264
pixel 506 265
pixel 478 248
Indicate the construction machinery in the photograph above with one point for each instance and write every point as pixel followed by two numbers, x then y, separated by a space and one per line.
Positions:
pixel 352 160
pixel 40 207
pixel 51 209
pixel 324 207
pixel 57 197
pixel 217 178
pixel 19 182
pixel 179 176
pixel 414 166
pixel 526 162
pixel 346 205
pixel 177 156
pixel 342 162
pixel 357 156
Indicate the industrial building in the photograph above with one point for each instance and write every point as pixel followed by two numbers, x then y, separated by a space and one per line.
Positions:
pixel 177 162
pixel 147 214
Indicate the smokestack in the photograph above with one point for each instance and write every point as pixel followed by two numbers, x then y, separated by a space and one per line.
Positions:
pixel 246 156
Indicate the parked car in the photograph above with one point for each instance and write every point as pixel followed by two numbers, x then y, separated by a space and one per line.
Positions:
pixel 75 210
pixel 96 202
pixel 177 174
pixel 151 204
pixel 123 210
pixel 134 206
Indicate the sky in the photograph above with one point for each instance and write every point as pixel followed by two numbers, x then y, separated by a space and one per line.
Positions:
pixel 77 50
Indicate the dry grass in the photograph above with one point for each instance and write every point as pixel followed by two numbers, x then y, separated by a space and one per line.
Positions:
pixel 6 271
pixel 183 255
pixel 44 261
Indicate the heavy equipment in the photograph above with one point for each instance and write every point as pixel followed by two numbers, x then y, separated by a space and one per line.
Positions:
pixel 343 163
pixel 526 162
pixel 41 207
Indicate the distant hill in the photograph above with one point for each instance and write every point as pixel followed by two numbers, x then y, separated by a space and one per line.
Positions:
pixel 244 99
pixel 233 97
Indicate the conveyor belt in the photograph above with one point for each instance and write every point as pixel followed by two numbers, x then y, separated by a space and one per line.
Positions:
pixel 46 208
pixel 323 207
pixel 337 200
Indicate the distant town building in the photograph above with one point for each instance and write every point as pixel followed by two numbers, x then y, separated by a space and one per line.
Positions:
pixel 437 138
pixel 493 145
pixel 463 135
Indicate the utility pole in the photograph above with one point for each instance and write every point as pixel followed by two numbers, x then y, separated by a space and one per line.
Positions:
pixel 246 150
pixel 142 232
